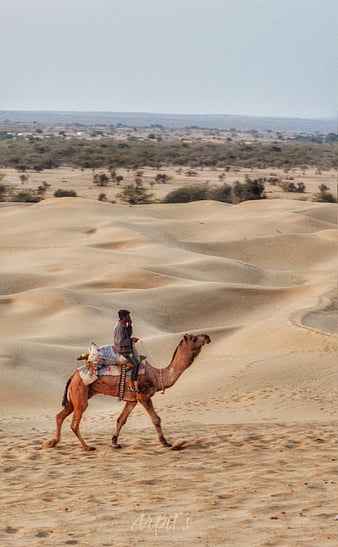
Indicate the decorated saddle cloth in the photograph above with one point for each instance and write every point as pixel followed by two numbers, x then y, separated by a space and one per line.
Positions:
pixel 104 361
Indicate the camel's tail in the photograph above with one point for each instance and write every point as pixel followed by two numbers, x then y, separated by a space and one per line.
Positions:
pixel 65 393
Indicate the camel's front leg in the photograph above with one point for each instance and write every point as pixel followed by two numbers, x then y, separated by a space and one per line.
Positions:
pixel 148 405
pixel 121 420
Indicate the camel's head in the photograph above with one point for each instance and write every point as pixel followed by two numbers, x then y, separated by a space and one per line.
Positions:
pixel 196 342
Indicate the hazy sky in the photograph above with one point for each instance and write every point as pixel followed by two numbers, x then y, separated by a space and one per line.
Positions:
pixel 253 57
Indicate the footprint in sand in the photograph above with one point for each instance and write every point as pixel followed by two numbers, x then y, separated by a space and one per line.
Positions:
pixel 11 530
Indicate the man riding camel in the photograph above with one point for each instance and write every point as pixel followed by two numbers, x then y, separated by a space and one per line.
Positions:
pixel 124 344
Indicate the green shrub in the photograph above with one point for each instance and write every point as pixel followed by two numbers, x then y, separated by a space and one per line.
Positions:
pixel 181 195
pixel 325 196
pixel 64 193
pixel 224 193
pixel 251 189
pixel 27 196
pixel 187 193
pixel 237 192
pixel 292 187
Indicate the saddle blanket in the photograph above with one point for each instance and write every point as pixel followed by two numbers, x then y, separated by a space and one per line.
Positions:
pixel 89 373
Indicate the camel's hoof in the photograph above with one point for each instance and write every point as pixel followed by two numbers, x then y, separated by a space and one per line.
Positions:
pixel 167 445
pixel 180 445
pixel 49 444
pixel 90 448
pixel 117 446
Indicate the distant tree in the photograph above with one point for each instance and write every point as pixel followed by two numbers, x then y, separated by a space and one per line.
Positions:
pixel 162 178
pixel 291 187
pixel 135 195
pixel 138 181
pixel 19 166
pixel 43 188
pixel 3 191
pixel 254 188
pixel 100 179
pixel 274 180
pixel 250 190
pixel 300 187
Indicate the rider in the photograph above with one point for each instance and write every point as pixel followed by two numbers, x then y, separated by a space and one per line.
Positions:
pixel 123 342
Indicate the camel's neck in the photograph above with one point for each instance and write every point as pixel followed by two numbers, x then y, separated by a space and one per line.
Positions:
pixel 179 363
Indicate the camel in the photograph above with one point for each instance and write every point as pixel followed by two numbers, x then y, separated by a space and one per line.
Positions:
pixel 76 394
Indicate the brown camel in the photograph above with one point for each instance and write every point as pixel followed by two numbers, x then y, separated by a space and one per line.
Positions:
pixel 76 393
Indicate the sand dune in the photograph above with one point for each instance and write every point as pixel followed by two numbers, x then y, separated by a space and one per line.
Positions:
pixel 256 411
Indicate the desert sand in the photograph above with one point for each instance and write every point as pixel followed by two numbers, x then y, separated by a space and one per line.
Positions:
pixel 255 415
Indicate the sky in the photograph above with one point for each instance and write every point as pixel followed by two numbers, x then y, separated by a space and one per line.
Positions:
pixel 242 57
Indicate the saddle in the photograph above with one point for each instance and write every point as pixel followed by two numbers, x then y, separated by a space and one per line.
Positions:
pixel 103 356
pixel 105 361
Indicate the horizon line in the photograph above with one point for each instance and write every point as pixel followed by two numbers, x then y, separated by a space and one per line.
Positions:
pixel 174 114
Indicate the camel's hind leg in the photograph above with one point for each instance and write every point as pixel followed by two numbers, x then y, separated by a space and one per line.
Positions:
pixel 148 405
pixel 60 418
pixel 121 420
pixel 75 426
pixel 79 397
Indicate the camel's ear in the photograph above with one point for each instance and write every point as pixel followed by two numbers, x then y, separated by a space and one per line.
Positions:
pixel 185 337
